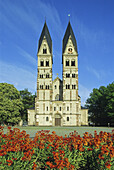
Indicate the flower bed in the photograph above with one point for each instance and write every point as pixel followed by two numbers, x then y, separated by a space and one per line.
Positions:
pixel 50 151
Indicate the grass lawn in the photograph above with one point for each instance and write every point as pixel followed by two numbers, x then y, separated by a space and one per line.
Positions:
pixel 61 131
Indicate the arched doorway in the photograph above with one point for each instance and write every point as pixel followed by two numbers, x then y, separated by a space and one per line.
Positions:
pixel 57 120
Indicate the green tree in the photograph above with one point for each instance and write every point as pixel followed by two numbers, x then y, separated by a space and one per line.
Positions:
pixel 10 104
pixel 28 101
pixel 101 105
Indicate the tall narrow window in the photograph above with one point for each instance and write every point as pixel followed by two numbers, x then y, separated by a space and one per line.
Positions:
pixel 41 63
pixel 60 108
pixel 67 62
pixel 44 49
pixel 55 87
pixel 47 63
pixel 68 86
pixel 73 75
pixel 67 75
pixel 47 75
pixel 67 108
pixel 67 118
pixel 72 63
pixel 47 108
pixel 54 108
pixel 73 86
pixel 47 118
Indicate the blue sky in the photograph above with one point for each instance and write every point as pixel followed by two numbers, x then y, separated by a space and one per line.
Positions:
pixel 21 23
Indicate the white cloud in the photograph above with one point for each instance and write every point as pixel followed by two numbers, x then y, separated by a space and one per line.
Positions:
pixel 84 93
pixel 19 77
pixel 27 56
pixel 92 70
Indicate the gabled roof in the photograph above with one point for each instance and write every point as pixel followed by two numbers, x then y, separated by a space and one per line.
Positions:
pixel 69 32
pixel 57 78
pixel 45 32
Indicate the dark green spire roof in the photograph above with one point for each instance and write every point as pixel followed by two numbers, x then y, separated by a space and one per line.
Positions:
pixel 69 32
pixel 45 32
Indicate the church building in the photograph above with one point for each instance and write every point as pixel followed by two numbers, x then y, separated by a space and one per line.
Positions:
pixel 58 102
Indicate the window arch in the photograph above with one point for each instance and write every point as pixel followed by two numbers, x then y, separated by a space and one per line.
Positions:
pixel 47 63
pixel 67 86
pixel 41 75
pixel 41 86
pixel 55 87
pixel 73 63
pixel 73 86
pixel 44 49
pixel 47 75
pixel 67 62
pixel 41 63
pixel 57 97
pixel 47 118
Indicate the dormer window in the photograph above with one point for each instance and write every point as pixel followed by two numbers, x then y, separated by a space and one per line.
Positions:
pixel 73 63
pixel 47 63
pixel 67 62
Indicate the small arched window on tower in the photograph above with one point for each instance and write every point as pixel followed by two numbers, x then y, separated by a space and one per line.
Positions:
pixel 73 63
pixel 41 86
pixel 67 62
pixel 41 63
pixel 57 97
pixel 47 75
pixel 44 49
pixel 47 63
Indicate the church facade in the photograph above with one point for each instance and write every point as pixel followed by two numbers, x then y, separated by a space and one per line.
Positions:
pixel 57 102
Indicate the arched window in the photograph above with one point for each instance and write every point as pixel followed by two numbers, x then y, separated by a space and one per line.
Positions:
pixel 73 75
pixel 47 63
pixel 47 118
pixel 47 75
pixel 41 86
pixel 48 86
pixel 67 75
pixel 41 75
pixel 44 49
pixel 67 108
pixel 67 62
pixel 41 63
pixel 67 118
pixel 73 86
pixel 55 87
pixel 73 63
pixel 57 97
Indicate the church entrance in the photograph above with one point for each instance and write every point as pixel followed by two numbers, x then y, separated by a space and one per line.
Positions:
pixel 57 120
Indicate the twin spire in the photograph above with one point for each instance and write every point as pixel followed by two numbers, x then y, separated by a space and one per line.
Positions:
pixel 69 32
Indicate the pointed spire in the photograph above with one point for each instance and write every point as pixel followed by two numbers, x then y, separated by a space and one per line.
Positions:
pixel 45 32
pixel 69 32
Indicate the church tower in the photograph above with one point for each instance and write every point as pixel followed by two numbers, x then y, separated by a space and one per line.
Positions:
pixel 44 77
pixel 71 100
pixel 57 102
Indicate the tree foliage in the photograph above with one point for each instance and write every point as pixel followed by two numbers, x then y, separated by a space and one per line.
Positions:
pixel 101 105
pixel 10 104
pixel 28 101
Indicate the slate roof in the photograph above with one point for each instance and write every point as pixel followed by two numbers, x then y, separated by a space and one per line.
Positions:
pixel 69 32
pixel 45 32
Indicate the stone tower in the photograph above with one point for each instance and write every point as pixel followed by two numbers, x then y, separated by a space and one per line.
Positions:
pixel 71 100
pixel 44 75
pixel 57 102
